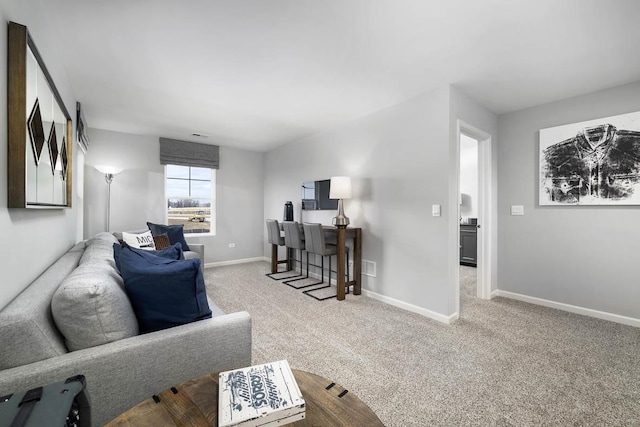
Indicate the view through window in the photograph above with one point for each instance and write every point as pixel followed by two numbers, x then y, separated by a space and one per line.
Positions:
pixel 191 198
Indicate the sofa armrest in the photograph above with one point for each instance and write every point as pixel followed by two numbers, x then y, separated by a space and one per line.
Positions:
pixel 123 373
pixel 199 249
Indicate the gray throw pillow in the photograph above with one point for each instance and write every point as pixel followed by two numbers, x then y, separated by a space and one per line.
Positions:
pixel 90 307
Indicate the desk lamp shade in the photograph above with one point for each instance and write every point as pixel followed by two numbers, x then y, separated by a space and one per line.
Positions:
pixel 340 189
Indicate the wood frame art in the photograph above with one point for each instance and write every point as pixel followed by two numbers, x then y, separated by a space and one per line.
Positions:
pixel 38 122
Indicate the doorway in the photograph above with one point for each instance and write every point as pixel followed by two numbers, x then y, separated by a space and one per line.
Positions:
pixel 468 205
pixel 475 212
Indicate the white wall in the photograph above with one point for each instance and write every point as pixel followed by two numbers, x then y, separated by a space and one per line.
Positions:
pixel 398 161
pixel 402 160
pixel 137 194
pixel 468 177
pixel 33 238
pixel 577 255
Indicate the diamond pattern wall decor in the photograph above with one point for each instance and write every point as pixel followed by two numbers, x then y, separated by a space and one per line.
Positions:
pixel 63 158
pixel 53 148
pixel 36 131
pixel 36 117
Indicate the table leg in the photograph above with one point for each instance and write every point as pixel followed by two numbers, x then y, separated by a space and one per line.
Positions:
pixel 341 255
pixel 357 262
pixel 274 259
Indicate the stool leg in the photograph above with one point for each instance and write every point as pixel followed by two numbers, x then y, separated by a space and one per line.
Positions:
pixel 290 260
pixel 348 278
pixel 300 276
pixel 274 258
pixel 275 262
pixel 321 282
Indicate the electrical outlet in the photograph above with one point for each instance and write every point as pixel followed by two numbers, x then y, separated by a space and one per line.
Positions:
pixel 517 210
pixel 232 245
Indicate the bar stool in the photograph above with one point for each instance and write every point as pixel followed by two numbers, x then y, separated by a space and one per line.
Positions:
pixel 273 231
pixel 294 239
pixel 316 244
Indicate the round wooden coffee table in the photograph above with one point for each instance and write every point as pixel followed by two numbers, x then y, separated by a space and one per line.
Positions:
pixel 195 403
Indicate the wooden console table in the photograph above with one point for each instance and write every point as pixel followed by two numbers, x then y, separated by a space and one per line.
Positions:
pixel 342 234
pixel 354 233
pixel 195 403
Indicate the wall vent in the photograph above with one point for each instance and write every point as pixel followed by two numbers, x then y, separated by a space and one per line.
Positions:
pixel 368 268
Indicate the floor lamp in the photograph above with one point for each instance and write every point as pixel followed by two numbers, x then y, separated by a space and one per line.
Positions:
pixel 109 172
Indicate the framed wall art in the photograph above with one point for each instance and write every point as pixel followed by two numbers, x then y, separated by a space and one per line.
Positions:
pixel 39 129
pixel 81 129
pixel 596 162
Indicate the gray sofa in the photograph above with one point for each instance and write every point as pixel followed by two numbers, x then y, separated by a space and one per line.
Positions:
pixel 119 373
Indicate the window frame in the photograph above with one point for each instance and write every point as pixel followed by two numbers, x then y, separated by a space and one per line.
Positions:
pixel 213 210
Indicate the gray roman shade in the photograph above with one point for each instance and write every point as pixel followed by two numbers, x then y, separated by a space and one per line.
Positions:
pixel 185 153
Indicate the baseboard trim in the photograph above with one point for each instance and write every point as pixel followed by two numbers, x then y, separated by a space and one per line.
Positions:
pixel 493 294
pixel 385 299
pixel 236 261
pixel 413 308
pixel 630 321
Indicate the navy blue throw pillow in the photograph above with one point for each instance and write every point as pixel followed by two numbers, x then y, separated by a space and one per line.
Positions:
pixel 163 292
pixel 175 233
pixel 171 252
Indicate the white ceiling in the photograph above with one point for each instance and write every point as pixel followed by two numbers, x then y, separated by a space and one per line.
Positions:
pixel 258 73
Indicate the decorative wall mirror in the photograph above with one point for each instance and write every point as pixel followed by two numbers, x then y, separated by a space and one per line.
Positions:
pixel 315 196
pixel 39 129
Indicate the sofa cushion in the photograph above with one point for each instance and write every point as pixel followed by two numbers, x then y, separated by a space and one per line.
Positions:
pixel 161 241
pixel 142 240
pixel 91 308
pixel 98 249
pixel 163 292
pixel 175 233
pixel 215 310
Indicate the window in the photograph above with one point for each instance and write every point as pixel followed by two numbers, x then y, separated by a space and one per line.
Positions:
pixel 190 195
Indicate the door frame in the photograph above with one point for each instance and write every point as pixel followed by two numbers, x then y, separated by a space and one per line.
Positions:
pixel 486 215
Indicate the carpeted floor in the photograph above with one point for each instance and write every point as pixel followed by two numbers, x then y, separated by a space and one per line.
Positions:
pixel 503 363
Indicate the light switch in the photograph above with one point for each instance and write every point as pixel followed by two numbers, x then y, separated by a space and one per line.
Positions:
pixel 435 210
pixel 517 210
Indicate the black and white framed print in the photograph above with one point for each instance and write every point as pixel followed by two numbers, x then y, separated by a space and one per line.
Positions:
pixel 596 162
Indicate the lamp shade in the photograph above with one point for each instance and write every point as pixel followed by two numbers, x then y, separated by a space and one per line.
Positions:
pixel 340 187
pixel 113 170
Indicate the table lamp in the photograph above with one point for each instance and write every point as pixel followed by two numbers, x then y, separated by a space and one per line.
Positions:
pixel 340 188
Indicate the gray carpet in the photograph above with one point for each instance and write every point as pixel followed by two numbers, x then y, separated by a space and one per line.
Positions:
pixel 503 363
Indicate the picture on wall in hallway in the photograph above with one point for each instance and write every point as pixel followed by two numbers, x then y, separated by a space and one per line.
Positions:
pixel 596 162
